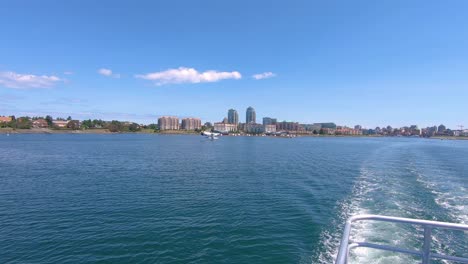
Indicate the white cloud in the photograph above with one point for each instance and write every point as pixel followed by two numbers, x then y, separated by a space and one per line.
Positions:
pixel 188 75
pixel 24 81
pixel 264 75
pixel 108 72
pixel 105 72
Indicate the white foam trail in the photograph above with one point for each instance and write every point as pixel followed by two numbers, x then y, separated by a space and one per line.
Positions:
pixel 449 195
pixel 398 182
pixel 368 186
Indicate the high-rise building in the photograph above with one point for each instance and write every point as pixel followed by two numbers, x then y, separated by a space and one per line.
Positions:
pixel 233 117
pixel 168 123
pixel 269 121
pixel 441 129
pixel 191 123
pixel 250 116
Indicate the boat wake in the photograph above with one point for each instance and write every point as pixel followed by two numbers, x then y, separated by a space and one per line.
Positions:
pixel 398 182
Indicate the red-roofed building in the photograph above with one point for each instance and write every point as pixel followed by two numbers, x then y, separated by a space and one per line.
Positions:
pixel 5 119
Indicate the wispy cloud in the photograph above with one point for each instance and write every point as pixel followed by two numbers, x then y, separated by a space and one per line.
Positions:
pixel 188 75
pixel 108 73
pixel 15 80
pixel 264 75
pixel 68 73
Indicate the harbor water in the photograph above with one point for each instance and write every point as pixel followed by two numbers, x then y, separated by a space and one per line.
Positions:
pixel 134 198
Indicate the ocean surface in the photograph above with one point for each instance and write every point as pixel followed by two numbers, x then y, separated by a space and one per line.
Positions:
pixel 130 198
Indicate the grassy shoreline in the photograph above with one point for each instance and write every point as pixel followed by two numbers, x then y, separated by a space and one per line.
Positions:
pixel 89 131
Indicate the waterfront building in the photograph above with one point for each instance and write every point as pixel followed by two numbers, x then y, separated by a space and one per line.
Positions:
pixel 326 125
pixel 40 123
pixel 254 128
pixel 269 121
pixel 241 127
pixel 5 119
pixel 414 130
pixel 347 131
pixel 288 126
pixel 441 129
pixel 233 117
pixel 168 123
pixel 312 127
pixel 75 124
pixel 250 115
pixel 60 123
pixel 431 131
pixel 464 133
pixel 327 131
pixel 358 127
pixel 191 123
pixel 224 127
pixel 356 131
pixel 271 128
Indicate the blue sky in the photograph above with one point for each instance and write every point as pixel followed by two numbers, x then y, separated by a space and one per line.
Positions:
pixel 350 62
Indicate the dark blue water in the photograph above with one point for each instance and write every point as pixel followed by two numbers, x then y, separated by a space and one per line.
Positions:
pixel 183 199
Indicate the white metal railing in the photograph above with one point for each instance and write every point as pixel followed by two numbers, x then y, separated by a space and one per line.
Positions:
pixel 425 253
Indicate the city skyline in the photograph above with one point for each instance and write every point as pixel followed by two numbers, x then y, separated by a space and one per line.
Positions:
pixel 365 63
pixel 229 125
pixel 233 119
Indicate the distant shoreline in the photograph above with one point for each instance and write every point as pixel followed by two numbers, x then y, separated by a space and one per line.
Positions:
pixel 90 131
pixel 182 132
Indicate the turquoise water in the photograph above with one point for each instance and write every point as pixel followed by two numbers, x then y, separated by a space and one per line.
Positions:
pixel 183 199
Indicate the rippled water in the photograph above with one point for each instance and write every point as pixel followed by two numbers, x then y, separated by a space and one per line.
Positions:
pixel 183 199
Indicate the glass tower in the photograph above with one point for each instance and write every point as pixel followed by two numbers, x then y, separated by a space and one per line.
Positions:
pixel 250 116
pixel 233 117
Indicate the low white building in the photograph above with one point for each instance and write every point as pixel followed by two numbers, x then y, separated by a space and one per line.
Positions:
pixel 224 127
pixel 60 123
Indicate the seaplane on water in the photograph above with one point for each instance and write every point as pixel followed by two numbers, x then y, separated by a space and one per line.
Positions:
pixel 211 135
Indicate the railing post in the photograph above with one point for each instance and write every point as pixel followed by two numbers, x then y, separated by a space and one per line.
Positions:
pixel 347 255
pixel 343 253
pixel 426 259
